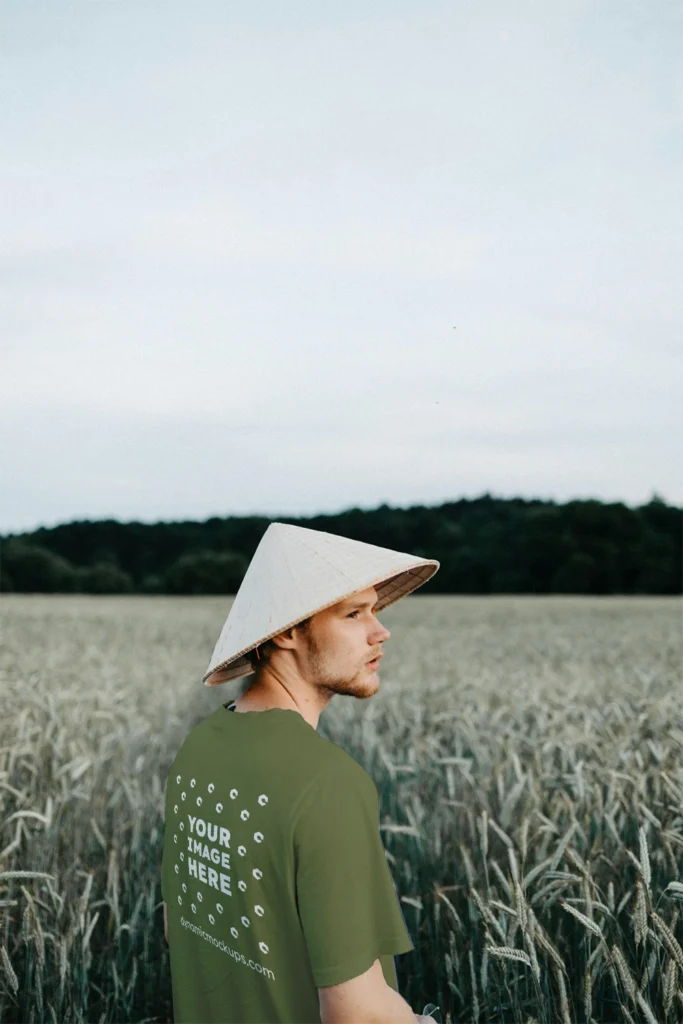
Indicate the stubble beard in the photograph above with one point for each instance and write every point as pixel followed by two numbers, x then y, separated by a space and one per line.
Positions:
pixel 348 686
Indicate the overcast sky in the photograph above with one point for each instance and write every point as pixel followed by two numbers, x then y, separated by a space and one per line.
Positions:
pixel 292 257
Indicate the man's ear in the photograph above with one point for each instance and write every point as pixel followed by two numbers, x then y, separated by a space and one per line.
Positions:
pixel 281 640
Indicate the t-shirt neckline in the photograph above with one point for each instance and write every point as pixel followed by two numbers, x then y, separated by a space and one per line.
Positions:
pixel 229 706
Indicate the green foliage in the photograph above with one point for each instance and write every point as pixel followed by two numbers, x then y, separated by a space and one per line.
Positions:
pixel 6 581
pixel 206 572
pixel 485 545
pixel 35 569
pixel 153 583
pixel 105 578
pixel 576 575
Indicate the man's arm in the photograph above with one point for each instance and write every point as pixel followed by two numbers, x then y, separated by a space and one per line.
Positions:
pixel 165 922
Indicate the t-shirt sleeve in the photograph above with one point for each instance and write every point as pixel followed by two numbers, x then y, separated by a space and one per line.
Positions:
pixel 347 902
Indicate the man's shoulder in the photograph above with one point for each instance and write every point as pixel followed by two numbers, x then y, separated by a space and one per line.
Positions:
pixel 340 770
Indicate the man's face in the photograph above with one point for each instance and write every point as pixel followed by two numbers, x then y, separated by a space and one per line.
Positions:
pixel 334 654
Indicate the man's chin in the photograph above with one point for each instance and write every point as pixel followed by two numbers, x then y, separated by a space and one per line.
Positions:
pixel 368 685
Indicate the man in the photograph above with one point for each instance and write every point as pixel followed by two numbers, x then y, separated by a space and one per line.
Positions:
pixel 281 905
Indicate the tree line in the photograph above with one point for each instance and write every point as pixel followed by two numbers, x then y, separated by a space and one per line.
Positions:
pixel 485 545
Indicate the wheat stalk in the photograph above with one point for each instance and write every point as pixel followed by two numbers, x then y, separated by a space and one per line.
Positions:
pixel 544 942
pixel 503 835
pixel 508 953
pixel 645 1007
pixel 669 984
pixel 521 906
pixel 524 838
pixel 8 969
pixel 514 867
pixel 483 971
pixel 669 938
pixel 587 994
pixel 586 921
pixel 475 1000
pixel 644 857
pixel 531 949
pixel 627 979
pixel 564 1005
pixel 639 915
pixel 63 962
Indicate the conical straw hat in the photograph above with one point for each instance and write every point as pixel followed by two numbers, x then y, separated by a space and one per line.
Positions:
pixel 296 572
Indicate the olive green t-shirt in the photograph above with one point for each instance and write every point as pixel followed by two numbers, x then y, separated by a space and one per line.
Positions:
pixel 273 871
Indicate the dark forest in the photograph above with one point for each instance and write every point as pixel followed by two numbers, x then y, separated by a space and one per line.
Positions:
pixel 485 545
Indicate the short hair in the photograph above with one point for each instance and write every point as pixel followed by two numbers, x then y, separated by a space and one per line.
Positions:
pixel 267 648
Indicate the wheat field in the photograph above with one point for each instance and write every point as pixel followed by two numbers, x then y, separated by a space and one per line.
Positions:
pixel 528 756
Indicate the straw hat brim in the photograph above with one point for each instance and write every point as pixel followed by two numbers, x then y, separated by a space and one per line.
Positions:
pixel 391 587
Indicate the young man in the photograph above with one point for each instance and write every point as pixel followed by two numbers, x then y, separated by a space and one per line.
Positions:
pixel 281 905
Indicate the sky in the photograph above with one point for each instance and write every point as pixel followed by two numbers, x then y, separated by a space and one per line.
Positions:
pixel 287 258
